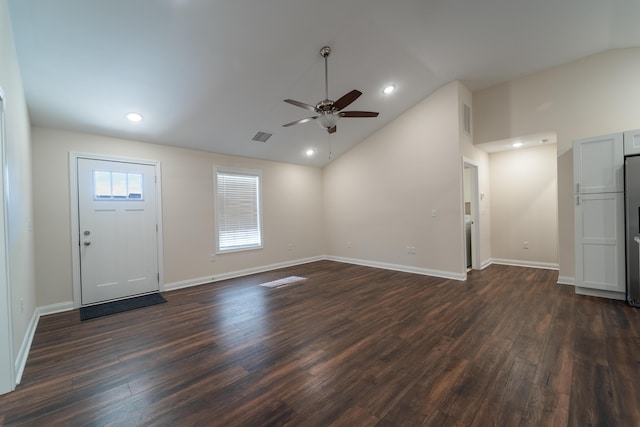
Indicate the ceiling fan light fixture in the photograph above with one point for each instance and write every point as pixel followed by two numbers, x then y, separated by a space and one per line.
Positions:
pixel 328 120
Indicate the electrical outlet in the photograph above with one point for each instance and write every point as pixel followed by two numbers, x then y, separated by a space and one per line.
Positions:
pixel 349 244
pixel 434 213
pixel 525 245
pixel 213 257
pixel 289 246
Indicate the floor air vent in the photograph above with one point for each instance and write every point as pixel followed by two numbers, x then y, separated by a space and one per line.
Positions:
pixel 261 137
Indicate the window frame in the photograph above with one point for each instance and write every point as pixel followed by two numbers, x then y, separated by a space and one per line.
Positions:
pixel 245 172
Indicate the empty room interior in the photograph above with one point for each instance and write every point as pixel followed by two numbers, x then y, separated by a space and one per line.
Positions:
pixel 436 198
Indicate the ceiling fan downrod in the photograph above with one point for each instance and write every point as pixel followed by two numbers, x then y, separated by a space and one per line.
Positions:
pixel 325 51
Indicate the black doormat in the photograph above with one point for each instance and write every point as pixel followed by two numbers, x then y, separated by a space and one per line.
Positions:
pixel 99 310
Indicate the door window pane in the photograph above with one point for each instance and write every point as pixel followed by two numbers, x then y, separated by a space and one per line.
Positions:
pixel 109 185
pixel 119 185
pixel 102 185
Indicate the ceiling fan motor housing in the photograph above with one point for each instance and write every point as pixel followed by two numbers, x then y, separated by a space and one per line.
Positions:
pixel 325 106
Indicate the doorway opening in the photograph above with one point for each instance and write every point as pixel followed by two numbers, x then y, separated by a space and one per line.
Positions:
pixel 470 208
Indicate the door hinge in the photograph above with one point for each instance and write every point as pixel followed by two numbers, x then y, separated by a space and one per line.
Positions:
pixel 158 277
pixel 156 228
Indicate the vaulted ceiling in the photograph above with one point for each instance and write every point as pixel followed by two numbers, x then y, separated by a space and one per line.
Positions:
pixel 210 74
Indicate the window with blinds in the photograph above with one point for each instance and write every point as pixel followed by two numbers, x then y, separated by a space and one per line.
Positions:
pixel 237 197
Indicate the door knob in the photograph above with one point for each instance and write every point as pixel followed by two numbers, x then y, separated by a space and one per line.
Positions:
pixel 87 242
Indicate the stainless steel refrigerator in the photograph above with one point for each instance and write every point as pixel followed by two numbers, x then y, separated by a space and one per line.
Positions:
pixel 632 227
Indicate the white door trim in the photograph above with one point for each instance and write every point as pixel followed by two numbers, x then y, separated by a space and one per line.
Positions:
pixel 75 220
pixel 7 364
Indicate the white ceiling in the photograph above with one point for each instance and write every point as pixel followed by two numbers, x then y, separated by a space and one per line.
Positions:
pixel 210 74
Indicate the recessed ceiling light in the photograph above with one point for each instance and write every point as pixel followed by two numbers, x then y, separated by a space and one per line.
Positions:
pixel 310 152
pixel 388 89
pixel 134 117
pixel 517 144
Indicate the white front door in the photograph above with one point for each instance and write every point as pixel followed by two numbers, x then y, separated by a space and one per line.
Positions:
pixel 118 229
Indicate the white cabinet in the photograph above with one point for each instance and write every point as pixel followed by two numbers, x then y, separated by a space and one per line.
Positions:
pixel 598 166
pixel 599 226
pixel 632 142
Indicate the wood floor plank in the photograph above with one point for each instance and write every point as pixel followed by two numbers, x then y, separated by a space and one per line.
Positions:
pixel 545 407
pixel 350 345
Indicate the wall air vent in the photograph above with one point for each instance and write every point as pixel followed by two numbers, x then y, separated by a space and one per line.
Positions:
pixel 467 119
pixel 261 137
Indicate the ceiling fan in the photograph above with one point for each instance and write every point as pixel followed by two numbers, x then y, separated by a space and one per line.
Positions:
pixel 328 111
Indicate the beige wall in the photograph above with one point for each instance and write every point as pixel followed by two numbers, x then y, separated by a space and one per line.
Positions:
pixel 591 96
pixel 18 158
pixel 379 195
pixel 525 205
pixel 292 210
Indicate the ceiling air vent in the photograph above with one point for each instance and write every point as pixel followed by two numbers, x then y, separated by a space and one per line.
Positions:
pixel 261 137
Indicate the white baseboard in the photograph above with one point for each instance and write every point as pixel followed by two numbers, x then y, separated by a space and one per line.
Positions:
pixel 399 267
pixel 521 263
pixel 23 353
pixel 485 264
pixel 621 296
pixel 566 280
pixel 239 273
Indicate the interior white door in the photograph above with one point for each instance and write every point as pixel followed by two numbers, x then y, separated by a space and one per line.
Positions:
pixel 118 229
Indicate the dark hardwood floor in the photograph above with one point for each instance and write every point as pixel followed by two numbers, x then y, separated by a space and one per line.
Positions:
pixel 350 346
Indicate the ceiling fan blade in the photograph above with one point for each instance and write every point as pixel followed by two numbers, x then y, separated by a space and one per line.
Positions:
pixel 297 122
pixel 346 99
pixel 358 114
pixel 332 130
pixel 301 104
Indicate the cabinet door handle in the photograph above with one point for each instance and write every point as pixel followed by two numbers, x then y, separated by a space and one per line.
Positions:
pixel 577 200
pixel 577 187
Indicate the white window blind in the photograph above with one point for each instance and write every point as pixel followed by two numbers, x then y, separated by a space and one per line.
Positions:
pixel 238 210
